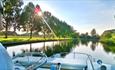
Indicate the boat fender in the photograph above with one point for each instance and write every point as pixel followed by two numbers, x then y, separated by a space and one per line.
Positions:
pixel 56 66
pixel 53 67
pixel 99 61
pixel 86 68
pixel 103 67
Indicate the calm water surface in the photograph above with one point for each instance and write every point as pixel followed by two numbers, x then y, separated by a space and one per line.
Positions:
pixel 97 50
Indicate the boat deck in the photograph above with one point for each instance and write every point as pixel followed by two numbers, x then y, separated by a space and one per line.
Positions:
pixel 69 63
pixel 113 67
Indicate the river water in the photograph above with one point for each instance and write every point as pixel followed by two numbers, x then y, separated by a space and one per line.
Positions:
pixel 97 50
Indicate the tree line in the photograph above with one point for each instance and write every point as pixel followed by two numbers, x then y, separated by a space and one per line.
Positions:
pixel 24 19
pixel 94 37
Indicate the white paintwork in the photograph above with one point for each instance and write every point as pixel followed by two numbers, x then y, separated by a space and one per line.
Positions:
pixel 27 59
pixel 5 59
pixel 65 63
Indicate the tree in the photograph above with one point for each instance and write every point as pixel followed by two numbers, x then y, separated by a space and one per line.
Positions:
pixel 94 35
pixel 1 25
pixel 1 12
pixel 16 16
pixel 11 9
pixel 31 22
pixel 93 32
pixel 34 24
pixel 60 28
pixel 27 18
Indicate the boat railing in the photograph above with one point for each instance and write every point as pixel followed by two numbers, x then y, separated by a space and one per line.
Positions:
pixel 38 63
pixel 88 57
pixel 34 65
pixel 43 59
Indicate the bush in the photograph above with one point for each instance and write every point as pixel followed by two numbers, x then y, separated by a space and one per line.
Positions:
pixel 9 33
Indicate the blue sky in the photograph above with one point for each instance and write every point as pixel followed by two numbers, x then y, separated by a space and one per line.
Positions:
pixel 82 15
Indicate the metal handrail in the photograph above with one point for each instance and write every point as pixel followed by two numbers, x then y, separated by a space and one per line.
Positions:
pixel 37 64
pixel 89 57
pixel 34 66
pixel 91 62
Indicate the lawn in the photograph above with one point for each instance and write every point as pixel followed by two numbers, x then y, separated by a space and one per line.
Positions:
pixel 14 39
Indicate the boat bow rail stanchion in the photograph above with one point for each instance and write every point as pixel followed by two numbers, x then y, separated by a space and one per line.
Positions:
pixel 90 59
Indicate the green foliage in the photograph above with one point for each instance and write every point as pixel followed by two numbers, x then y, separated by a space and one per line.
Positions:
pixel 30 22
pixel 93 37
pixel 11 11
pixel 108 37
pixel 109 48
pixel 11 33
pixel 25 39
pixel 27 15
pixel 64 46
pixel 61 28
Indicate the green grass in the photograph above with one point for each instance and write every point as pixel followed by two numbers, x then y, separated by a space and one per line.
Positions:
pixel 26 39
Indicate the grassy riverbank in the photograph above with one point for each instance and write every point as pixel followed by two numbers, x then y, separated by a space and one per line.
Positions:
pixel 15 40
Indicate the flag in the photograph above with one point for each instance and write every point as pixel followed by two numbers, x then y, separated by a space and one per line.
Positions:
pixel 37 9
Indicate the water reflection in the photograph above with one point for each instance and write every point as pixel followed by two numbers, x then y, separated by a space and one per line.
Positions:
pixel 109 48
pixel 26 47
pixel 63 46
pixel 93 45
pixel 95 49
pixel 84 42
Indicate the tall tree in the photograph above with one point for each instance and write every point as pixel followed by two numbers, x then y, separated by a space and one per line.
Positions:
pixel 27 18
pixel 1 12
pixel 93 32
pixel 94 36
pixel 30 21
pixel 16 15
pixel 11 8
pixel 60 28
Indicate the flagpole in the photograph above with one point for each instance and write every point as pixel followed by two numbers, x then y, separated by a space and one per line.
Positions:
pixel 49 26
pixel 38 11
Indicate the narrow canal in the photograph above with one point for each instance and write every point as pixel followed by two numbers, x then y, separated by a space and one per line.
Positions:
pixel 97 50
